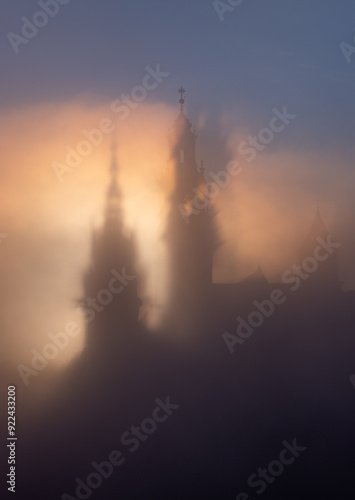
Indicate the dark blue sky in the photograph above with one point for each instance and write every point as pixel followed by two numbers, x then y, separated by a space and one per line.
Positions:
pixel 265 54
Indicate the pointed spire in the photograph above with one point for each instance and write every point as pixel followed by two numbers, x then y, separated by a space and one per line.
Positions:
pixel 182 91
pixel 257 276
pixel 318 228
pixel 113 189
pixel 113 212
pixel 182 125
pixel 114 166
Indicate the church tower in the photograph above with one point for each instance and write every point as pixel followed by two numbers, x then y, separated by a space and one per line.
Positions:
pixel 191 234
pixel 111 304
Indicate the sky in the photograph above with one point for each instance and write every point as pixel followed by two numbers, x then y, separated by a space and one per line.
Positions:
pixel 262 56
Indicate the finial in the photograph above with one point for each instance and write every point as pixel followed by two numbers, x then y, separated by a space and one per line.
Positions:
pixel 182 91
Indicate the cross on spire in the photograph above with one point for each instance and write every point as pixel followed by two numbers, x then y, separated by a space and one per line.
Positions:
pixel 181 91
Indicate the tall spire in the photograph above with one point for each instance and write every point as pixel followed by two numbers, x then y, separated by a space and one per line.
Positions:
pixel 182 91
pixel 183 149
pixel 318 228
pixel 112 251
pixel 113 215
pixel 114 166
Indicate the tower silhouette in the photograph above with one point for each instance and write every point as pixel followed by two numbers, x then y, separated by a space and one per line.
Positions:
pixel 191 232
pixel 112 304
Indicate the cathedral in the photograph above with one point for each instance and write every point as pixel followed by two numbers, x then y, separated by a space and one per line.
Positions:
pixel 195 304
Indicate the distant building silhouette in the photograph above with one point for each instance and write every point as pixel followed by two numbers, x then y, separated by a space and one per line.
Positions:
pixel 113 321
pixel 195 303
pixel 192 240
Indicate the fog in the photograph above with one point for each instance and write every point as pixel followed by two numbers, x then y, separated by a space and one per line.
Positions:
pixel 263 213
